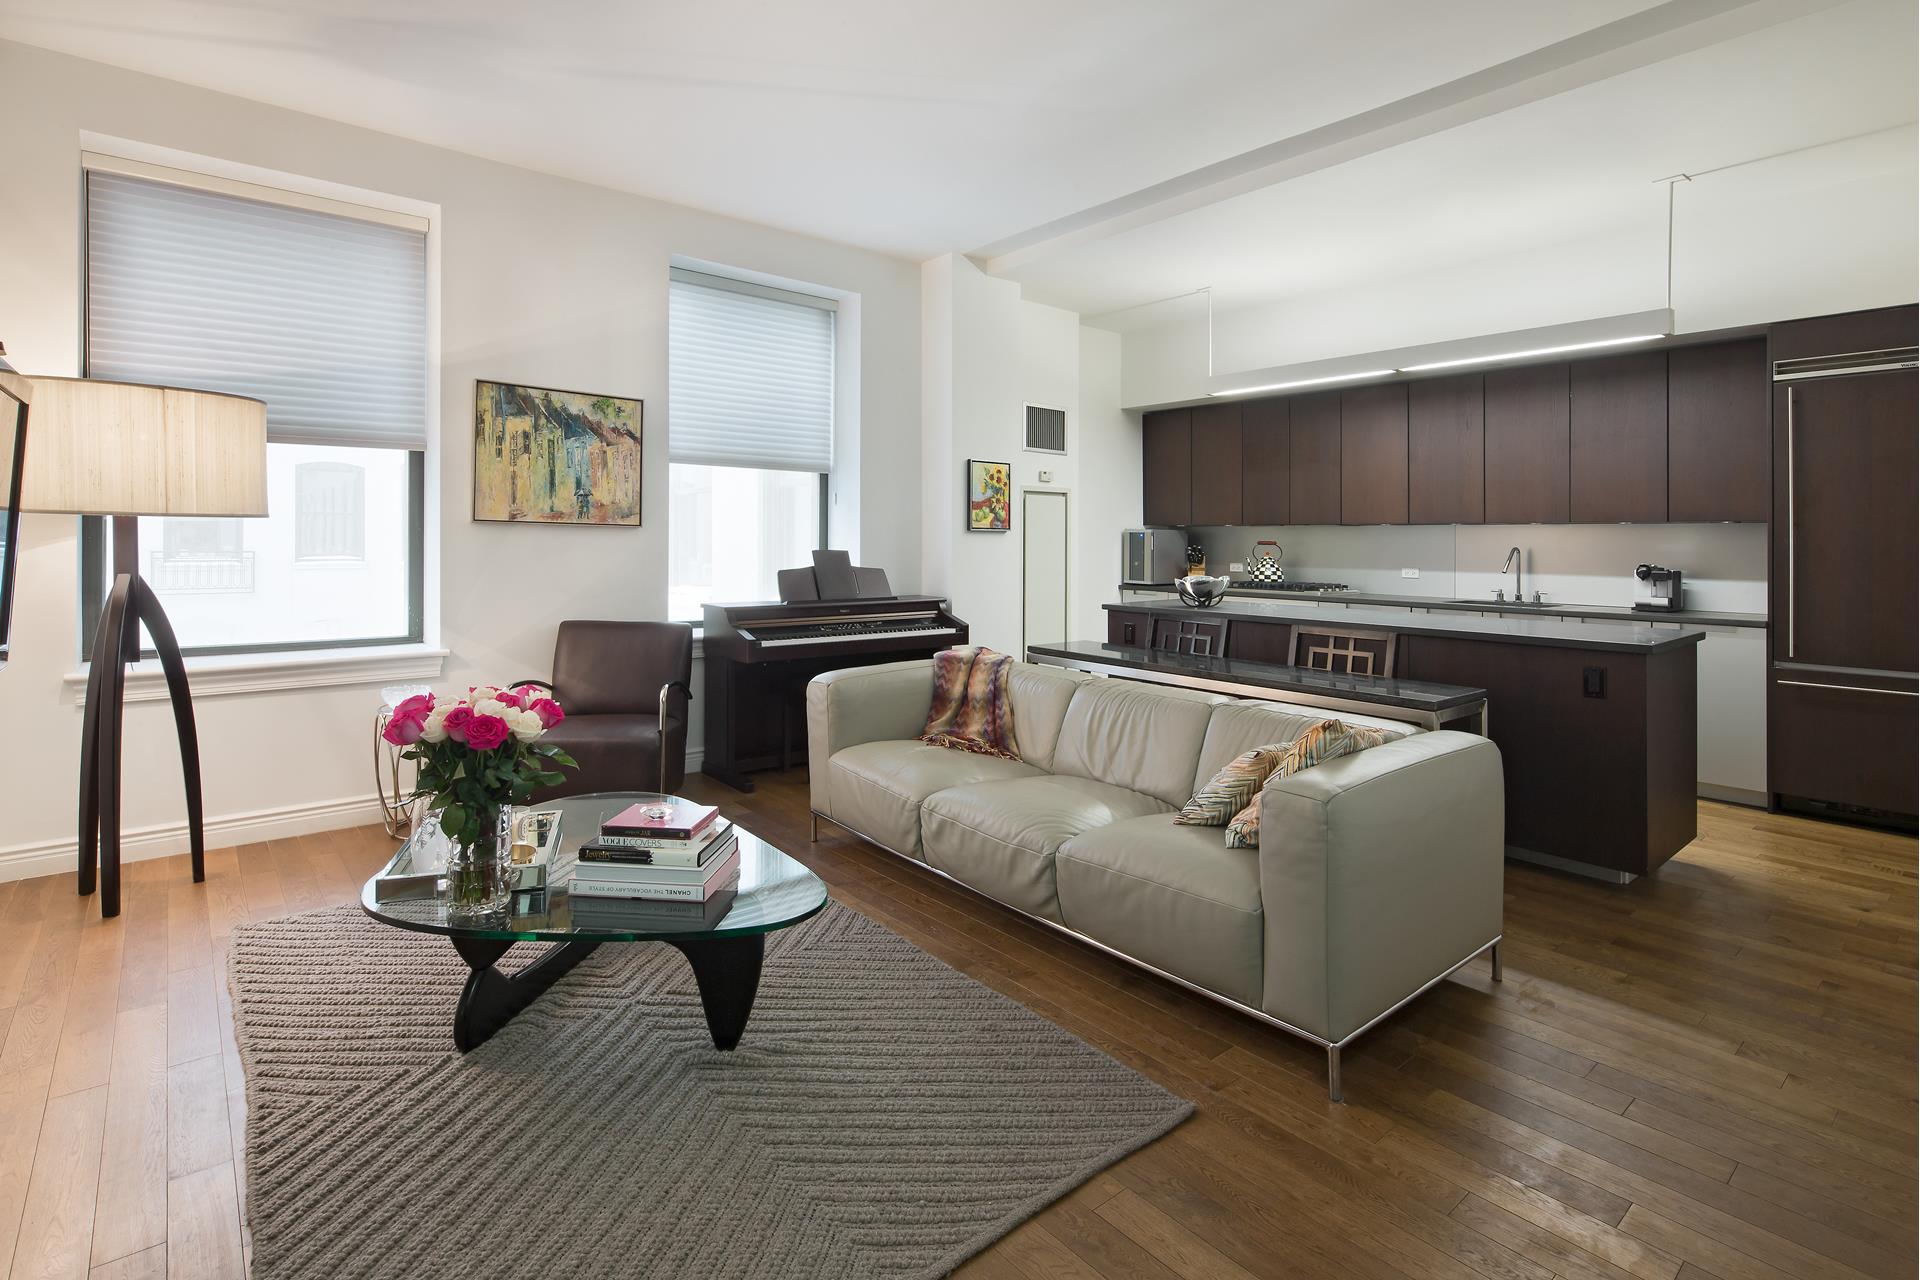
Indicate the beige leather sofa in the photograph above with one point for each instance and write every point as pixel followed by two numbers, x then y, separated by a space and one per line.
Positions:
pixel 1377 874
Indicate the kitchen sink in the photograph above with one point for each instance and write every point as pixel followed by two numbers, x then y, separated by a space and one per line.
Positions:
pixel 1505 605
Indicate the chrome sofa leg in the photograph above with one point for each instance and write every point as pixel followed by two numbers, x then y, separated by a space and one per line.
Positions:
pixel 1493 953
pixel 1333 1074
pixel 813 836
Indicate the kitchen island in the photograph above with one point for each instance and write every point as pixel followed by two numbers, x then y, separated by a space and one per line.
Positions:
pixel 1596 722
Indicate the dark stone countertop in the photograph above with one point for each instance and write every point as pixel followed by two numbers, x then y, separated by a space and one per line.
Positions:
pixel 1414 695
pixel 1554 631
pixel 1592 612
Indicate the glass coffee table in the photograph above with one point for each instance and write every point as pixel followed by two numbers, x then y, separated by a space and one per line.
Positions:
pixel 724 943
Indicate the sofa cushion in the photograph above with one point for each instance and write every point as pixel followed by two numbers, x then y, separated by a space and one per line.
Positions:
pixel 1241 726
pixel 876 788
pixel 1039 697
pixel 1170 895
pixel 1141 737
pixel 1000 837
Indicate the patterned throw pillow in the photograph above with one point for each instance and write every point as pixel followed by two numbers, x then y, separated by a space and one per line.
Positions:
pixel 1325 741
pixel 1228 791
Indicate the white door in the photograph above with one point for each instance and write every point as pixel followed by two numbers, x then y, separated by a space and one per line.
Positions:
pixel 1043 567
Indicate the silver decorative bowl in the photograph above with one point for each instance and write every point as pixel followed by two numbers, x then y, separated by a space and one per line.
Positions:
pixel 1201 592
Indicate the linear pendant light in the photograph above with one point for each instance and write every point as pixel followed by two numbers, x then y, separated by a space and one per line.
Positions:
pixel 1491 349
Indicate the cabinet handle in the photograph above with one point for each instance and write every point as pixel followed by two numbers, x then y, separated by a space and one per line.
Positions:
pixel 1851 688
pixel 1792 610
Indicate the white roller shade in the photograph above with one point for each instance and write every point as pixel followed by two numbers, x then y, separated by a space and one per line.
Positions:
pixel 322 316
pixel 750 379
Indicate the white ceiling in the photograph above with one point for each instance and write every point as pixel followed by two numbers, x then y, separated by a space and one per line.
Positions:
pixel 914 127
pixel 1566 170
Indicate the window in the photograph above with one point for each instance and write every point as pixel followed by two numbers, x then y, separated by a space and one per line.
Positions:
pixel 750 428
pixel 321 311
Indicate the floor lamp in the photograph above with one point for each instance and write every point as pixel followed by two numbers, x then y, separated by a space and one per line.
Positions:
pixel 126 450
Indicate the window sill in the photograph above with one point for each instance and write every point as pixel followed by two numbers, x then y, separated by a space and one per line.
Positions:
pixel 213 677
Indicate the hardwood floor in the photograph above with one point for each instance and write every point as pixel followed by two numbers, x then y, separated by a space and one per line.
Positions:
pixel 1708 1075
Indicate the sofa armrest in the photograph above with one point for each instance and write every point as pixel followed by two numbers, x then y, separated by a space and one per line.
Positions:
pixel 863 704
pixel 1379 872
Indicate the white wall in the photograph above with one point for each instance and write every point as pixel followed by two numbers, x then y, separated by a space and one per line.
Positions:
pixel 543 281
pixel 988 352
pixel 1815 232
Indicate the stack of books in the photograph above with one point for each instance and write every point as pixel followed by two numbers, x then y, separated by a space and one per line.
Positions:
pixel 661 851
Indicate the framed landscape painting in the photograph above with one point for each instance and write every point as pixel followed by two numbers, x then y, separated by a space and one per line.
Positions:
pixel 989 496
pixel 555 457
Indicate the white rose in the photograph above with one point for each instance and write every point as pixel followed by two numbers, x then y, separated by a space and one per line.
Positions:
pixel 492 707
pixel 435 729
pixel 526 725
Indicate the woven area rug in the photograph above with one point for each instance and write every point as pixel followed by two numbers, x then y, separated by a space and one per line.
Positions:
pixel 884 1115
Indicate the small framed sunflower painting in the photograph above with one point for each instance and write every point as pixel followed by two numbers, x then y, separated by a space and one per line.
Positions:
pixel 989 496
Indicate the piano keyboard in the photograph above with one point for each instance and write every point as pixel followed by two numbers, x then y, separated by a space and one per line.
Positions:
pixel 842 632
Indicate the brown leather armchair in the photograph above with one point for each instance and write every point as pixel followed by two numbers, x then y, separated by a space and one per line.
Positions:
pixel 624 688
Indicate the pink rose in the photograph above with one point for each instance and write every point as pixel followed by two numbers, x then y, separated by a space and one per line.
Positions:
pixel 510 698
pixel 419 704
pixel 457 721
pixel 548 710
pixel 405 730
pixel 484 733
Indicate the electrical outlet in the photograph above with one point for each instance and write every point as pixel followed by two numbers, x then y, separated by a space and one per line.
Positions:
pixel 1409 573
pixel 1236 567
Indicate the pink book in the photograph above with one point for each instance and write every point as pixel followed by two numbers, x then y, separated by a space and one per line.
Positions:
pixel 671 818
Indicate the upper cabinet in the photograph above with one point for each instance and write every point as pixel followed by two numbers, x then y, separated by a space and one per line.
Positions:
pixel 1266 458
pixel 1717 432
pixel 1619 439
pixel 1528 445
pixel 1447 451
pixel 1167 467
pixel 1216 464
pixel 1373 455
pixel 1315 463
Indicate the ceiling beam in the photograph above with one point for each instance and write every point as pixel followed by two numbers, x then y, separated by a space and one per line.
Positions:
pixel 1652 35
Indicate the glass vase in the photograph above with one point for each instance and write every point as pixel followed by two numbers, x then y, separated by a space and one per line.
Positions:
pixel 480 871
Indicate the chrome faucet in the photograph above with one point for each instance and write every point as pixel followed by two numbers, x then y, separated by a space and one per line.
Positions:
pixel 1512 566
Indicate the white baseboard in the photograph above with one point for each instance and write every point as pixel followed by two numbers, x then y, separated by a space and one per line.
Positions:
pixel 137 844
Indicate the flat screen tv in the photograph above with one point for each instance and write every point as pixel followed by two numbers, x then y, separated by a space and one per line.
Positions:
pixel 14 394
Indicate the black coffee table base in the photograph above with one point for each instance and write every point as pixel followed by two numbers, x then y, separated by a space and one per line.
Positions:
pixel 727 971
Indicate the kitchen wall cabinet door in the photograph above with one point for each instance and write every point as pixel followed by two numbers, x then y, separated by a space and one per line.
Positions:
pixel 1266 458
pixel 1528 445
pixel 1216 464
pixel 1619 439
pixel 1167 467
pixel 1373 455
pixel 1315 470
pixel 1717 415
pixel 1447 451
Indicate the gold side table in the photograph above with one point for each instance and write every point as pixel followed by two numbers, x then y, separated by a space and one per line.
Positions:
pixel 399 811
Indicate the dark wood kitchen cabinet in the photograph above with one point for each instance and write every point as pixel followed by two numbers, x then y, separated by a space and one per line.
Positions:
pixel 1133 629
pixel 1166 437
pixel 1373 455
pixel 1215 455
pixel 1315 464
pixel 1528 445
pixel 1447 451
pixel 1717 432
pixel 1842 711
pixel 1618 432
pixel 1266 457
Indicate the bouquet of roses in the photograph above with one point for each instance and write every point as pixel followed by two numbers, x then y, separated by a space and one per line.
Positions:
pixel 478 753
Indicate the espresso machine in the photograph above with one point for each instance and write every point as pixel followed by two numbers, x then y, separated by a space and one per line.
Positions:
pixel 1657 589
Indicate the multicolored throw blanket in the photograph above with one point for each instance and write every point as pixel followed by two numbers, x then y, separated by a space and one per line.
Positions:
pixel 970 708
